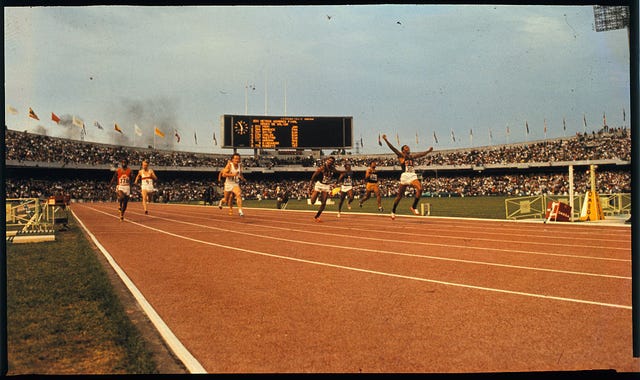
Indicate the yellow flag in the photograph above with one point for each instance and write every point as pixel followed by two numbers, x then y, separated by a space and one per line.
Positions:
pixel 158 132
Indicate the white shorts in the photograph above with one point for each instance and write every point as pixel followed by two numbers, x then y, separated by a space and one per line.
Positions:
pixel 229 186
pixel 346 188
pixel 126 189
pixel 147 185
pixel 407 177
pixel 322 187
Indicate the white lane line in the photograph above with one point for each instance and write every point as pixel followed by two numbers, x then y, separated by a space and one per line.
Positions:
pixel 574 300
pixel 423 234
pixel 192 364
pixel 342 247
pixel 333 234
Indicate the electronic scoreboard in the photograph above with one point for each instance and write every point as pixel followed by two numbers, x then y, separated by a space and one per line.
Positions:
pixel 287 132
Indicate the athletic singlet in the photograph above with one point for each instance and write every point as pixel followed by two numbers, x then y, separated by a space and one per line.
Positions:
pixel 146 178
pixel 327 176
pixel 373 177
pixel 407 164
pixel 347 180
pixel 124 176
pixel 235 171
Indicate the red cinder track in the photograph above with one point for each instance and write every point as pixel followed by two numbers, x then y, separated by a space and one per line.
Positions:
pixel 276 292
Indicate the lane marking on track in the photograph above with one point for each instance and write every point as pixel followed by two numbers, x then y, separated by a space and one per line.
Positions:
pixel 423 234
pixel 471 223
pixel 394 275
pixel 415 242
pixel 545 243
pixel 192 364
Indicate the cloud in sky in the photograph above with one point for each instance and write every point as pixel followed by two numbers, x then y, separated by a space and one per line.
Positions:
pixel 394 68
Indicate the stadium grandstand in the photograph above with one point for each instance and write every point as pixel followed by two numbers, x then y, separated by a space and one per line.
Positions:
pixel 39 166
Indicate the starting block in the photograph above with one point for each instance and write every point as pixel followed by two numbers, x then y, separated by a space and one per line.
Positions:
pixel 558 212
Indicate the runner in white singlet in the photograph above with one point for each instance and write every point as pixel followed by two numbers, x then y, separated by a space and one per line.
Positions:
pixel 146 177
pixel 232 173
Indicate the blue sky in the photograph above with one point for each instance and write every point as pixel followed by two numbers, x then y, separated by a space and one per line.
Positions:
pixel 405 69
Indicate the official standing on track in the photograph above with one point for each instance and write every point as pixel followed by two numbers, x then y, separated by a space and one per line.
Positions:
pixel 123 178
pixel 147 177
pixel 323 186
pixel 408 177
pixel 232 173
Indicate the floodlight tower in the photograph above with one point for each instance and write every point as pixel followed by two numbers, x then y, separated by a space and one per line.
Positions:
pixel 611 18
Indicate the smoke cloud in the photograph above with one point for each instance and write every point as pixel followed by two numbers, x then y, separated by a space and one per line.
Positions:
pixel 148 114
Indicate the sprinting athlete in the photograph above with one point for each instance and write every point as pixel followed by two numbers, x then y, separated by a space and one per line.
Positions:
pixel 232 173
pixel 223 200
pixel 346 187
pixel 323 186
pixel 408 176
pixel 146 176
pixel 371 180
pixel 123 178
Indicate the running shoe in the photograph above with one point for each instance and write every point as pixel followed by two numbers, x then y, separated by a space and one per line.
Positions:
pixel 393 216
pixel 220 204
pixel 317 220
pixel 414 211
pixel 381 209
pixel 146 212
pixel 230 212
pixel 349 206
pixel 240 213
pixel 338 214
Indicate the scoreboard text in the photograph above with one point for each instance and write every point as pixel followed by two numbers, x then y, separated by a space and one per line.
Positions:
pixel 276 132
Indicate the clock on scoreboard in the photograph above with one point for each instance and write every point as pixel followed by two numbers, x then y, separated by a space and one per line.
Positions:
pixel 287 132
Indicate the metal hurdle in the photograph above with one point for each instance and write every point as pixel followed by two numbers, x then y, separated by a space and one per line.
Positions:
pixel 32 220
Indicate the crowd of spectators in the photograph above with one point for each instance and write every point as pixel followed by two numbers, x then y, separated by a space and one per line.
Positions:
pixel 605 144
pixel 183 190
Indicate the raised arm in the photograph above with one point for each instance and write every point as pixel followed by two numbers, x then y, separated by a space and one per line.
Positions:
pixel 393 148
pixel 422 154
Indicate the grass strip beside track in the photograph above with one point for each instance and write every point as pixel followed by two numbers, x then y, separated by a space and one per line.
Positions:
pixel 486 207
pixel 64 316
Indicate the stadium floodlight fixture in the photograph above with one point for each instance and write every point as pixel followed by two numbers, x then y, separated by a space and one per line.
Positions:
pixel 610 17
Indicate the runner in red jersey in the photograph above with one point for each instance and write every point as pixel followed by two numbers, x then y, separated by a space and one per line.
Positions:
pixel 123 177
